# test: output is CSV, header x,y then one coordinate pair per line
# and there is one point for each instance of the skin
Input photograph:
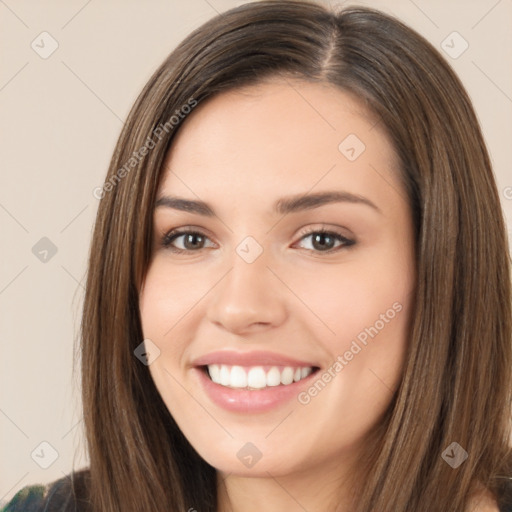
x,y
240,152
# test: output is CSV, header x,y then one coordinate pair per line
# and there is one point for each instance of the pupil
x,y
191,237
318,240
321,236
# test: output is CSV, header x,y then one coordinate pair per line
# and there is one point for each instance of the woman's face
x,y
303,333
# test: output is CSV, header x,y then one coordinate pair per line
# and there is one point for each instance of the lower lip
x,y
257,400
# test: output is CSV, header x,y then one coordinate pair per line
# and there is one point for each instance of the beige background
x,y
60,120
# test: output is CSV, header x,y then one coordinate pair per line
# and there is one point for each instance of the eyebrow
x,y
285,205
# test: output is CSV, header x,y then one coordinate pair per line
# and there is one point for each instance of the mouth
x,y
256,377
252,382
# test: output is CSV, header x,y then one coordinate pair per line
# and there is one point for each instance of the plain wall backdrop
x,y
69,73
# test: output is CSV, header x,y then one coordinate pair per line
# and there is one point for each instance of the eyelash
x,y
171,236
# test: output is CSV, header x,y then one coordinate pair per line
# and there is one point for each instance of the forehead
x,y
280,136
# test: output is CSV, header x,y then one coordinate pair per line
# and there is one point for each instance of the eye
x,y
192,240
323,240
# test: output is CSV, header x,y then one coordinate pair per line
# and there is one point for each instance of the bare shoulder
x,y
483,501
491,507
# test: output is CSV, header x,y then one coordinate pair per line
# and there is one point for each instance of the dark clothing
x,y
67,495
64,495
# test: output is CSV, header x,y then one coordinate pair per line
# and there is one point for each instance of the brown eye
x,y
191,241
324,241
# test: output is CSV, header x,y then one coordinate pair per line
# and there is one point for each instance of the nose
x,y
249,298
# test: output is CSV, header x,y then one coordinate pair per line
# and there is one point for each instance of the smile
x,y
252,381
256,377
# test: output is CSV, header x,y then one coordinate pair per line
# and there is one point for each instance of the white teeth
x,y
287,376
273,377
238,377
214,372
304,372
225,375
255,377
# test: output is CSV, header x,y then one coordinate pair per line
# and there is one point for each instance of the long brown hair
x,y
457,378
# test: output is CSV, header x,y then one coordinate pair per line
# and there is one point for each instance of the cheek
x,y
163,302
166,297
356,300
161,306
172,308
365,308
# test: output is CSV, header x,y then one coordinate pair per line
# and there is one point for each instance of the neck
x,y
319,488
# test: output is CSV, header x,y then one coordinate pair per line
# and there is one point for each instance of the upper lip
x,y
253,358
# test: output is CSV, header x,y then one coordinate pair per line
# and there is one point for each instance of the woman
x,y
299,283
